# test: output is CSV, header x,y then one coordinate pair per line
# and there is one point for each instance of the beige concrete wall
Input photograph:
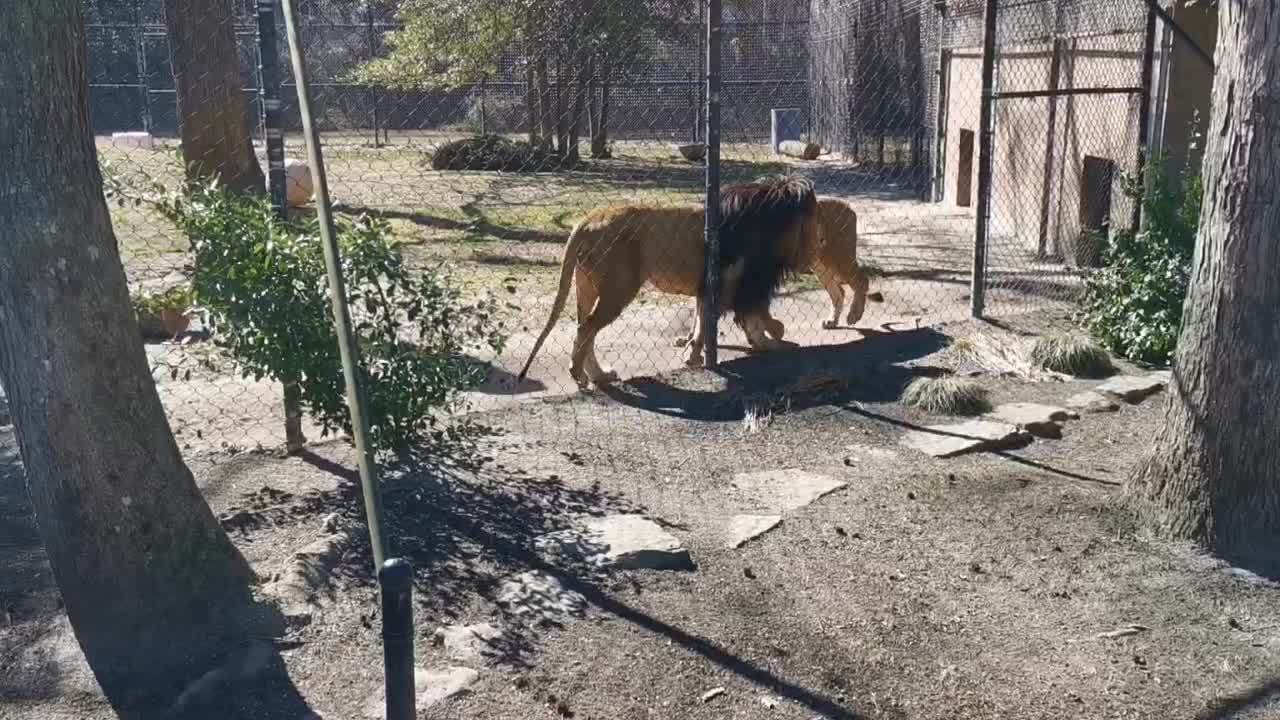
x,y
1190,87
1025,172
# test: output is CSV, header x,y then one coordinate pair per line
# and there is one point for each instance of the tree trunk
x,y
531,103
562,111
1214,473
151,583
213,115
600,133
546,109
579,103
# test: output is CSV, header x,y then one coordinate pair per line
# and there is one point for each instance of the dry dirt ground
x,y
974,587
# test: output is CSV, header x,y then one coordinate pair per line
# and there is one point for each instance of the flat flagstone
x,y
631,542
1090,401
470,643
784,490
1134,388
1037,419
945,441
744,528
540,596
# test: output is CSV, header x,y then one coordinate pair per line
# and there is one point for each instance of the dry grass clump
x,y
1071,354
947,395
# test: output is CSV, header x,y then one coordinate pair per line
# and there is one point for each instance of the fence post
x,y
985,144
372,38
396,580
1144,113
273,134
711,251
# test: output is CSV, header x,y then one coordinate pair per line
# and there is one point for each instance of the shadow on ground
x,y
863,370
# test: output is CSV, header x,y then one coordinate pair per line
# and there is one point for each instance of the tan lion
x,y
835,263
613,252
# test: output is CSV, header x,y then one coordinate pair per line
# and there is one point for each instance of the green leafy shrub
x,y
262,285
494,152
1133,305
1071,354
149,306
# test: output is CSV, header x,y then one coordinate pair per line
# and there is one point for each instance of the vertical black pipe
x,y
985,144
711,254
1144,113
396,580
1050,145
269,93
940,140
372,39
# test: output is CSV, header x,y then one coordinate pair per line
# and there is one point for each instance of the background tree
x,y
213,113
1214,472
150,581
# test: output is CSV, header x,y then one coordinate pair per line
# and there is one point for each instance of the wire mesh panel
x,y
485,132
1068,112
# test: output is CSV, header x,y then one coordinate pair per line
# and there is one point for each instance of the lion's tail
x,y
567,264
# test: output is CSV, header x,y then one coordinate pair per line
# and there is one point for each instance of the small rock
x,y
470,643
712,694
331,522
1122,632
1039,420
769,702
1092,402
540,595
743,528
784,490
944,441
1134,388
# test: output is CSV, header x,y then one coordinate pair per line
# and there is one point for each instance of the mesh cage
x,y
586,106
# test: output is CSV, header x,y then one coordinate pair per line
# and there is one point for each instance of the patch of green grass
x,y
1072,355
947,396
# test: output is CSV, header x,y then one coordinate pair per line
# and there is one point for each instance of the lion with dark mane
x,y
768,231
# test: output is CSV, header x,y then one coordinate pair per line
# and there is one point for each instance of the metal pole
x,y
144,75
711,253
338,295
985,144
373,89
277,182
1050,145
1206,58
396,580
1144,113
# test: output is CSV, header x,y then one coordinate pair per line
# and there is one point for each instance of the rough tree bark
x,y
213,114
151,583
1214,473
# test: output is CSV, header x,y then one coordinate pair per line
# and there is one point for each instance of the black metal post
x,y
985,144
372,39
711,254
269,94
1050,144
940,141
1144,113
396,580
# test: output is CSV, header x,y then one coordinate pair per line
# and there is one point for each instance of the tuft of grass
x,y
947,396
1072,355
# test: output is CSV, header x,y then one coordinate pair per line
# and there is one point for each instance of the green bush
x,y
1133,305
262,285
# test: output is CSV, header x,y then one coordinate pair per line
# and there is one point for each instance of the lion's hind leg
x,y
607,308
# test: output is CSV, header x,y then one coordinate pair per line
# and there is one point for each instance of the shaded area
x,y
1242,704
40,660
862,370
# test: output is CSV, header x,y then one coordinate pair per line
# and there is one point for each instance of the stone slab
x,y
1092,402
630,542
744,528
470,643
539,596
782,491
1037,419
430,686
1134,388
944,441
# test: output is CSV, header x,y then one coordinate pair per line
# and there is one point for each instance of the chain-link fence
x,y
590,105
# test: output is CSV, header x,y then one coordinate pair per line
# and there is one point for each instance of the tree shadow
x,y
1242,704
247,679
467,523
862,370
